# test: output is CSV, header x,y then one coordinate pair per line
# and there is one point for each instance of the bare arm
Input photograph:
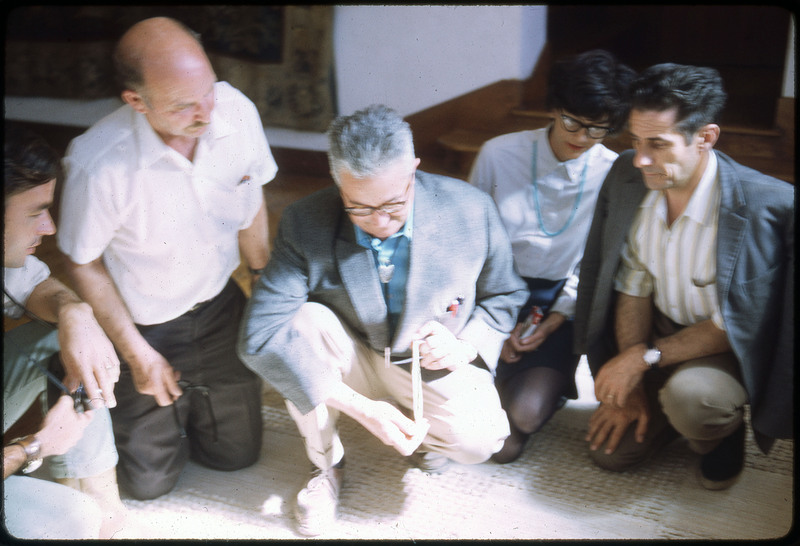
x,y
152,374
621,374
620,390
87,354
633,321
254,240
695,341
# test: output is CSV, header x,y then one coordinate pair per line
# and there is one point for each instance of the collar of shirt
x,y
397,253
698,208
368,241
700,204
547,162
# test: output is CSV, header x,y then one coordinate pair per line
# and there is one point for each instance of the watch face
x,y
31,466
652,356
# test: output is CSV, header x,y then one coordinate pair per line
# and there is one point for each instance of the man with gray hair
x,y
389,259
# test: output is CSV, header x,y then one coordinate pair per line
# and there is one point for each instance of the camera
x,y
81,399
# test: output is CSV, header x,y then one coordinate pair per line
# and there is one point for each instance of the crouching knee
x,y
616,461
146,486
474,442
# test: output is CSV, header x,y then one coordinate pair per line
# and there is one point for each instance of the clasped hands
x,y
514,346
440,349
620,391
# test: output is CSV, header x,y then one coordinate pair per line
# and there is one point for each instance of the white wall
x,y
414,57
407,57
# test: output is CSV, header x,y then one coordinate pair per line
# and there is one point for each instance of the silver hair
x,y
368,141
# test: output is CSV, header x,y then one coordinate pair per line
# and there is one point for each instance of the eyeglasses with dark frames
x,y
594,131
387,208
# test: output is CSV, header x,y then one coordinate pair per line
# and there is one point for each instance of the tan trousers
x,y
463,408
701,399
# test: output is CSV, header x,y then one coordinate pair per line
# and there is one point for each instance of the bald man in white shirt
x,y
163,200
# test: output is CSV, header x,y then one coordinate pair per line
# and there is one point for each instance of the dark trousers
x,y
217,421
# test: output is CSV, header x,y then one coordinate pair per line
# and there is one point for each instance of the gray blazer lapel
x,y
632,192
427,267
618,222
360,279
420,265
732,227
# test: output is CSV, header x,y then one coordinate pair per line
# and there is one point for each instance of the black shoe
x,y
512,447
721,467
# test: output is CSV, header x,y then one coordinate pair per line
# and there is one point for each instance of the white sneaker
x,y
317,504
430,462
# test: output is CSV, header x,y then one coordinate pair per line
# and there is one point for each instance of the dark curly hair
x,y
28,161
696,92
593,85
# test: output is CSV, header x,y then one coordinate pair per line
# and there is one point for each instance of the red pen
x,y
532,321
454,305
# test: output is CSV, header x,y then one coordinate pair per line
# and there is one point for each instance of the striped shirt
x,y
676,264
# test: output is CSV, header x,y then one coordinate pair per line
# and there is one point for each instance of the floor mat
x,y
552,491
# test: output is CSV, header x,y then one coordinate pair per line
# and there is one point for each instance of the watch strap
x,y
652,363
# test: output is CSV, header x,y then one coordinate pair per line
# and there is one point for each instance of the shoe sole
x,y
311,530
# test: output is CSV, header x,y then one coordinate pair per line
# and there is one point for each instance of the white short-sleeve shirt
x,y
676,264
166,227
20,282
504,169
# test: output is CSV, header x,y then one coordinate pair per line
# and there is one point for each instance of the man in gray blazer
x,y
685,301
361,270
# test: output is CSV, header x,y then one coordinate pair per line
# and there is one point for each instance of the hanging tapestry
x,y
279,56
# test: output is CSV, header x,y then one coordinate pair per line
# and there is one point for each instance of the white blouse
x,y
504,169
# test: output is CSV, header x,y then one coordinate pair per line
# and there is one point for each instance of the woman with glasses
x,y
545,183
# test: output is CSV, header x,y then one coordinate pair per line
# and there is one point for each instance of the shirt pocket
x,y
704,275
227,201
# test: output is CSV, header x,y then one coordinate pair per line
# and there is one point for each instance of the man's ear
x,y
708,136
135,100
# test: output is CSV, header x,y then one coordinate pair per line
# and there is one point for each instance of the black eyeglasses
x,y
594,131
388,208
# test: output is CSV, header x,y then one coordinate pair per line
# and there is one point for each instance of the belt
x,y
230,286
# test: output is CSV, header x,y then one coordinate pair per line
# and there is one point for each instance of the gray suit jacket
x,y
755,281
459,248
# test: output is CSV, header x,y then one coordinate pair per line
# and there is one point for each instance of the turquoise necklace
x,y
536,196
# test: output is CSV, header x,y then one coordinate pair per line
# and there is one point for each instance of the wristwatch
x,y
33,450
652,356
